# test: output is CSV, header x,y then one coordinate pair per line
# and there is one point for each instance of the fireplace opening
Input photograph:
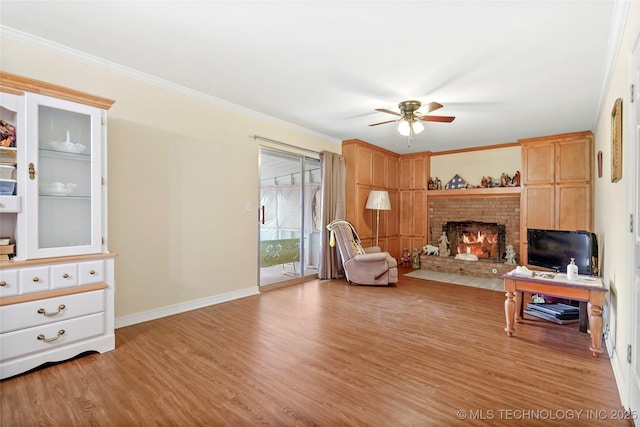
x,y
486,240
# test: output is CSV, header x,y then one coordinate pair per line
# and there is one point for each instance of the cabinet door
x,y
419,214
379,170
538,207
405,174
393,216
392,172
64,184
364,162
574,207
363,219
420,168
574,160
406,209
538,163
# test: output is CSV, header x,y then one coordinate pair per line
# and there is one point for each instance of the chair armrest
x,y
372,250
379,256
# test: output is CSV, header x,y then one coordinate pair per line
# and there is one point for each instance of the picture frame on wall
x,y
616,141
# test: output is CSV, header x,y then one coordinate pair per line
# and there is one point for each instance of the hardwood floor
x,y
325,354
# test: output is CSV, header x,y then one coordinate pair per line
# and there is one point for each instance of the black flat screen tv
x,y
553,249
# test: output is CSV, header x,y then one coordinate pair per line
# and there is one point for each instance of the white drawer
x,y
40,312
10,204
64,275
34,279
8,283
91,272
47,337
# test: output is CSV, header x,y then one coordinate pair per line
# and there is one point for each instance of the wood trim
x,y
50,294
480,148
555,138
370,146
73,258
476,192
15,84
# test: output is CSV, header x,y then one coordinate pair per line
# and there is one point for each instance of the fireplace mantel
x,y
476,192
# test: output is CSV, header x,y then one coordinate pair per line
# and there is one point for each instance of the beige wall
x,y
181,172
473,165
611,208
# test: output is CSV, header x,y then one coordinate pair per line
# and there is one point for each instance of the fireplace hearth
x,y
486,240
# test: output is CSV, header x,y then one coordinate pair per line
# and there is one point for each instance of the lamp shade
x,y
378,200
417,127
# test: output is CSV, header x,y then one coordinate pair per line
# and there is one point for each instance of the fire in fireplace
x,y
486,240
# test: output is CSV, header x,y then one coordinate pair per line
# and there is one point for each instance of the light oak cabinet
x,y
60,281
414,218
405,177
371,168
557,181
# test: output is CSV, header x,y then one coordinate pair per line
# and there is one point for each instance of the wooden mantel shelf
x,y
477,192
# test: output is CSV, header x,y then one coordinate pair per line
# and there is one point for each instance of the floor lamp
x,y
378,200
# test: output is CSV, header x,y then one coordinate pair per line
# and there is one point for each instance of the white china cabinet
x,y
57,288
63,202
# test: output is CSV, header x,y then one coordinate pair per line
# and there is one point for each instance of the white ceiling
x,y
506,69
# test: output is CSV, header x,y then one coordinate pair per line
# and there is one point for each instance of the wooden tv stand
x,y
586,288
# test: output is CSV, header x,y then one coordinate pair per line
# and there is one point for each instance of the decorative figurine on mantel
x,y
444,245
510,255
416,258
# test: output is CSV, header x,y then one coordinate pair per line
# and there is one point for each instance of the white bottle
x,y
572,270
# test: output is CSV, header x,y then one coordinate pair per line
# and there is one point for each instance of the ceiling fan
x,y
410,117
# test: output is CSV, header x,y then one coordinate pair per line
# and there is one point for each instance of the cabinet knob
x,y
51,313
36,279
32,171
65,276
3,283
92,272
41,337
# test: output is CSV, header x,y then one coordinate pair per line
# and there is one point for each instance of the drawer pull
x,y
92,272
43,338
65,276
53,313
3,283
36,279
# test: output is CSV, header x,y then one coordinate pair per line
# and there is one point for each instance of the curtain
x,y
333,199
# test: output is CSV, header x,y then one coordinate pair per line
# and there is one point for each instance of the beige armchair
x,y
363,266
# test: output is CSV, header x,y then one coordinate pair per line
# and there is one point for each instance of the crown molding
x,y
58,49
618,19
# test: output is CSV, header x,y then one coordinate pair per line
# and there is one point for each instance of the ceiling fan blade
x,y
443,119
382,123
432,106
384,110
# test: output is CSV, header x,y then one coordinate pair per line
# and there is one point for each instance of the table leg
x,y
509,312
595,325
519,296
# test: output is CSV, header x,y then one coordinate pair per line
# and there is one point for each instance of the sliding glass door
x,y
289,216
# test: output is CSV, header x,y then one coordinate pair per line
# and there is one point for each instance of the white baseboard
x,y
170,310
618,373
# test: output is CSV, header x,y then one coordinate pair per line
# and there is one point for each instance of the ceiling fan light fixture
x,y
404,128
417,127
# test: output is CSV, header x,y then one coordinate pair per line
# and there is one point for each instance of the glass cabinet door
x,y
64,182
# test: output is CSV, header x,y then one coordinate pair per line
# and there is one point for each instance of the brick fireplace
x,y
502,211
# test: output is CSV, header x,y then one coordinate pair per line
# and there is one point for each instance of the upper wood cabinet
x,y
557,182
414,172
